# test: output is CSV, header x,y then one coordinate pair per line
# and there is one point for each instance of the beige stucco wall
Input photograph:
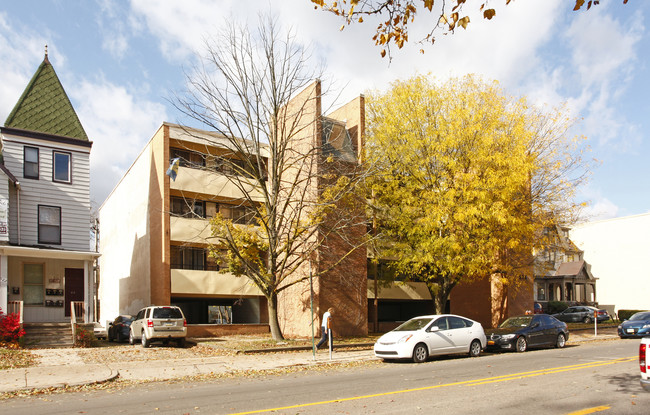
x,y
208,283
125,284
196,181
616,249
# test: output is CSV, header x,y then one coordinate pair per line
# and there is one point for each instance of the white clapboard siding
x,y
73,198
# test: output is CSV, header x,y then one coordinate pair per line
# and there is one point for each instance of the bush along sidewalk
x,y
84,338
11,334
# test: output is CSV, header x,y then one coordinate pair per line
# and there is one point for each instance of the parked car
x,y
521,332
582,313
159,323
424,336
644,364
636,326
99,331
118,329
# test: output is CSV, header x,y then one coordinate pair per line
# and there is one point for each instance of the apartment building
x,y
155,235
45,256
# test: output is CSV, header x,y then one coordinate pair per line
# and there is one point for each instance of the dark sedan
x,y
583,314
637,326
118,329
521,332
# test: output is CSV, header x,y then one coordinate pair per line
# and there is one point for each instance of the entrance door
x,y
74,287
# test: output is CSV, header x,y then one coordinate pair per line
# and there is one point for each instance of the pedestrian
x,y
326,326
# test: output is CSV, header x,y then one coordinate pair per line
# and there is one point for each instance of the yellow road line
x,y
590,410
501,378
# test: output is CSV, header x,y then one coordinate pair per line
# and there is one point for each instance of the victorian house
x,y
45,258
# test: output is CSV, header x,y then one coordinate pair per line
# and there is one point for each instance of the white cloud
x,y
21,51
119,122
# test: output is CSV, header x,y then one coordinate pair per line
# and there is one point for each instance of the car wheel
x,y
145,341
521,345
181,342
131,338
475,348
420,353
586,320
561,341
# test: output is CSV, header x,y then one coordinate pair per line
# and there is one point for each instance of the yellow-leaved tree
x,y
470,177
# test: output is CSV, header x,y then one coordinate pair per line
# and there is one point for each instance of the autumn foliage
x,y
10,331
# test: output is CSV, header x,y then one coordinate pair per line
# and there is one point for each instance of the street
x,y
595,377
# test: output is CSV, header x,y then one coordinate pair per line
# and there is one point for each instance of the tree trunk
x,y
272,302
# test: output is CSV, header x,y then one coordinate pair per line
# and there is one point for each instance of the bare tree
x,y
294,173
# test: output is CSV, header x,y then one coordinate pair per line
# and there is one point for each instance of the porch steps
x,y
48,335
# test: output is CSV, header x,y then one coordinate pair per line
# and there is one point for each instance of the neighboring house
x,y
45,257
155,237
561,273
616,248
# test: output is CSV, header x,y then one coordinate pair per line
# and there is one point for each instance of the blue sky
x,y
121,61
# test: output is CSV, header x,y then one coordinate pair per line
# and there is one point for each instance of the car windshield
x,y
640,316
413,324
522,321
167,312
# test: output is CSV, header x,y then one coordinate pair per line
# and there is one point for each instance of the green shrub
x,y
556,306
626,314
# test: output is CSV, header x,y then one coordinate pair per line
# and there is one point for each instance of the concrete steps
x,y
48,335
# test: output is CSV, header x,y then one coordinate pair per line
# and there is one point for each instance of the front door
x,y
74,287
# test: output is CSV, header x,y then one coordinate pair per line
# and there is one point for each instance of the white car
x,y
644,363
425,336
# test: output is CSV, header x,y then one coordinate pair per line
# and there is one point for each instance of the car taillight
x,y
642,357
149,323
184,323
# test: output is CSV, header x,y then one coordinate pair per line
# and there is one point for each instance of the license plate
x,y
167,324
630,330
491,342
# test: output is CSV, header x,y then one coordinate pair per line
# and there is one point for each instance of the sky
x,y
122,61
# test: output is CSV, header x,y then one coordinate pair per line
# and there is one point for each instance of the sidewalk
x,y
63,367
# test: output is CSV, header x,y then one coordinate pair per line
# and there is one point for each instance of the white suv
x,y
159,323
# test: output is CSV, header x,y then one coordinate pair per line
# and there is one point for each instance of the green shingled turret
x,y
45,107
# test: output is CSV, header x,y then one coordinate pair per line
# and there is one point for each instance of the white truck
x,y
644,363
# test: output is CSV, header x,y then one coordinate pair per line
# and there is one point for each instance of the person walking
x,y
326,326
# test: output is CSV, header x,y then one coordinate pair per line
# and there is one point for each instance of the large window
x,y
187,207
184,257
30,162
33,284
49,225
187,158
61,167
238,214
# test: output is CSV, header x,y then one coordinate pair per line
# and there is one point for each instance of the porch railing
x,y
16,307
77,310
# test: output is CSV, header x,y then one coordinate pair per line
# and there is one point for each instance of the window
x,y
187,207
33,284
30,163
183,257
49,225
242,215
61,167
187,158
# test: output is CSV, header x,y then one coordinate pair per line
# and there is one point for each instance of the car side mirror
x,y
434,329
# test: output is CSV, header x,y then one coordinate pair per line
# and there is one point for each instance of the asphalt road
x,y
596,377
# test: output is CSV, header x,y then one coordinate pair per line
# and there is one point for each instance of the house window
x,y
30,163
49,225
187,207
61,167
33,284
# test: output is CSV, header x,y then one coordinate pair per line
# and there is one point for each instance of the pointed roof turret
x,y
45,107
